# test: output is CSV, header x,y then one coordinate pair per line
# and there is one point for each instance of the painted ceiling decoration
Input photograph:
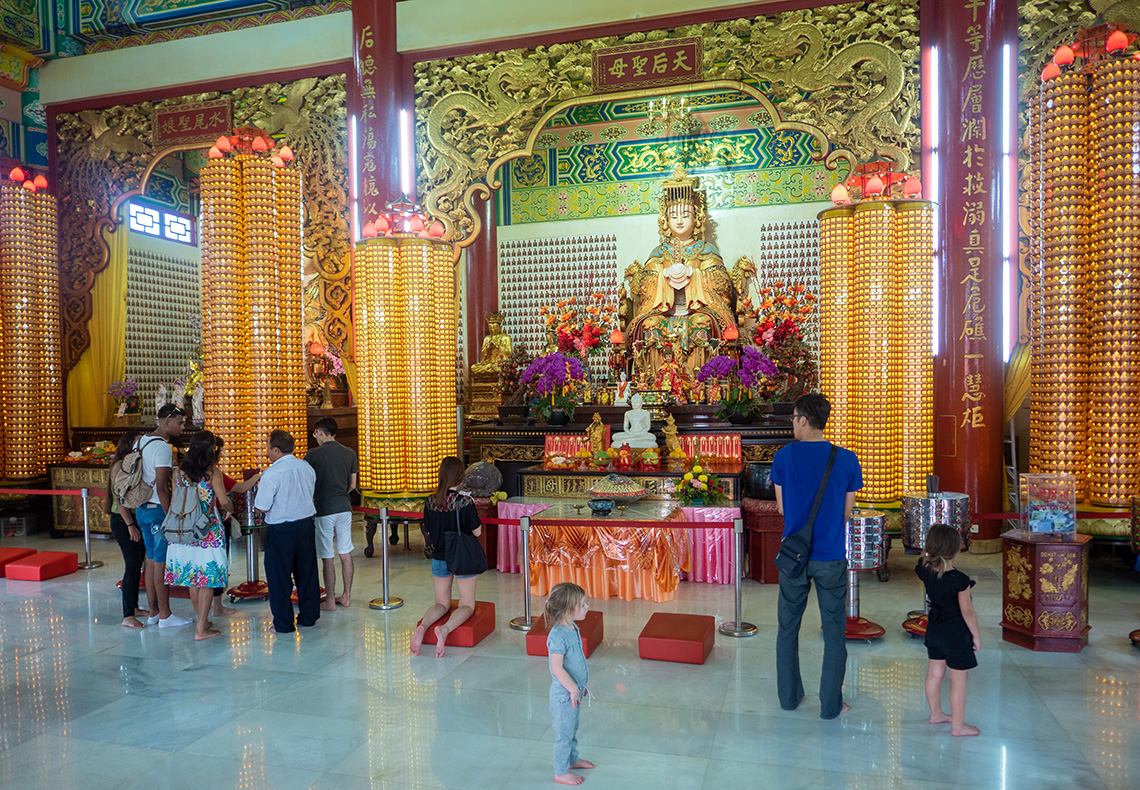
x,y
101,19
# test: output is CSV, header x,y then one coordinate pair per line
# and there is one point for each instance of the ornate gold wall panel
x,y
103,154
850,72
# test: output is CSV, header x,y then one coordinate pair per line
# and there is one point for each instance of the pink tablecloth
x,y
711,549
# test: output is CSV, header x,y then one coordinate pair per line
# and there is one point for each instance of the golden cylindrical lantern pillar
x,y
837,227
31,399
266,412
290,304
1059,367
1114,315
915,299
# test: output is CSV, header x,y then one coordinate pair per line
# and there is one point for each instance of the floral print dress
x,y
201,564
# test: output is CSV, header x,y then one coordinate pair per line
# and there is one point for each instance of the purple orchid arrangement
x,y
742,377
553,378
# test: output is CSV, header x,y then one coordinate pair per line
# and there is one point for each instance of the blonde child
x,y
952,631
566,604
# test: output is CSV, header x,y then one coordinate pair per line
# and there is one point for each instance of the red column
x,y
482,295
374,98
963,52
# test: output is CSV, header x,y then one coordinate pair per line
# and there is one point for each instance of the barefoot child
x,y
567,603
952,631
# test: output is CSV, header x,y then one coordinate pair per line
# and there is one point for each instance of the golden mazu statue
x,y
683,296
497,347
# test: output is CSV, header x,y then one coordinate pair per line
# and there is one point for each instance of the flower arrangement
x,y
700,487
553,379
745,379
125,393
579,332
780,317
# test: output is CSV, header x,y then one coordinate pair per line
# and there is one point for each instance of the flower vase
x,y
558,417
736,418
696,503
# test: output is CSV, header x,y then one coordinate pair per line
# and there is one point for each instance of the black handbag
x,y
462,550
795,548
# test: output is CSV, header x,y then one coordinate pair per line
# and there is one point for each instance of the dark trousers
x,y
291,558
831,592
134,553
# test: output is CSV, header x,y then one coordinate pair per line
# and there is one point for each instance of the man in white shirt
x,y
285,496
157,464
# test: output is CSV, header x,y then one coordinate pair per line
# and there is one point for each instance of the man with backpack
x,y
156,461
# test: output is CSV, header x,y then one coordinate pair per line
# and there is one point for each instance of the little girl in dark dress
x,y
952,631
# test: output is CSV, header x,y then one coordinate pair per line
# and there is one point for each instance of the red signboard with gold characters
x,y
192,123
648,64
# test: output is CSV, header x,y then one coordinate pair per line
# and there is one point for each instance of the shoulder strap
x,y
807,530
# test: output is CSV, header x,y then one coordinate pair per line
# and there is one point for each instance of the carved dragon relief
x,y
104,153
847,73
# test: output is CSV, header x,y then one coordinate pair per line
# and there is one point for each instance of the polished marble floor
x,y
88,704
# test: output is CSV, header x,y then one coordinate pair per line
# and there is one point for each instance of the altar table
x,y
617,562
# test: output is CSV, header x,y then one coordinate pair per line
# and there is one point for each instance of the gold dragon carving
x,y
103,154
850,71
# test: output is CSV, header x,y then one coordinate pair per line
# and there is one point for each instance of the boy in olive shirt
x,y
336,469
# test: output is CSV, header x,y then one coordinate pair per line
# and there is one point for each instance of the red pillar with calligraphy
x,y
963,54
375,93
482,276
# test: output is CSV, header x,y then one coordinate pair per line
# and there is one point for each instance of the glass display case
x,y
1049,504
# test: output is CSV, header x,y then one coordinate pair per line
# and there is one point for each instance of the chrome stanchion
x,y
253,587
738,627
524,623
88,564
386,603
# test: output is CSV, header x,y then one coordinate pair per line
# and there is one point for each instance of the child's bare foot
x,y
583,765
133,622
208,634
965,729
440,640
329,605
939,718
569,779
343,600
221,611
417,640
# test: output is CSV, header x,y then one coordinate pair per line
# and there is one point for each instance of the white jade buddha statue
x,y
636,425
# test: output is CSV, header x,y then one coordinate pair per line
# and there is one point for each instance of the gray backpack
x,y
185,522
130,490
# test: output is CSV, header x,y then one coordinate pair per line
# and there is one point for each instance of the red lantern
x,y
368,231
17,175
30,186
382,224
1116,41
874,186
912,187
40,182
259,144
287,153
730,333
437,230
215,153
416,223
840,195
616,337
1050,72
1063,56
223,144
277,161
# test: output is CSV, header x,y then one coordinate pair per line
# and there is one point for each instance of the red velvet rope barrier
x,y
54,492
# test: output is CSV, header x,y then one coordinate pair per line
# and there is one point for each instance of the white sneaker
x,y
174,621
152,620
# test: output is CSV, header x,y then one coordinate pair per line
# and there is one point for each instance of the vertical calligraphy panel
x,y
374,97
969,36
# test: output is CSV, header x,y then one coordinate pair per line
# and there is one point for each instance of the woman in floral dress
x,y
202,565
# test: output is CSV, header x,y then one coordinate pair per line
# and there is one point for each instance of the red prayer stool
x,y
685,638
471,631
590,626
11,555
44,565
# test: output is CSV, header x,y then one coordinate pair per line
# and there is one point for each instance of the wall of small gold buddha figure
x,y
850,70
103,153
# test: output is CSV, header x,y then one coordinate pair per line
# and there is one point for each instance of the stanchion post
x,y
88,563
524,623
852,594
738,627
386,603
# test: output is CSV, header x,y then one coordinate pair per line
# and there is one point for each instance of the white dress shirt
x,y
285,491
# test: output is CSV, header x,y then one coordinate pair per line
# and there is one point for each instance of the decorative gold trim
x,y
525,453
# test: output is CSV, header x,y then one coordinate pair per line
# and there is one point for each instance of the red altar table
x,y
1045,604
617,562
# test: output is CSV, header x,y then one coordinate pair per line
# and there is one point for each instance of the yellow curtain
x,y
105,360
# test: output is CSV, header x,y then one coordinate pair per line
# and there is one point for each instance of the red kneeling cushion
x,y
45,565
590,627
11,555
471,631
686,638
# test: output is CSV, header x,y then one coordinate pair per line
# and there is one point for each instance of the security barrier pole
x,y
88,563
524,623
386,603
738,627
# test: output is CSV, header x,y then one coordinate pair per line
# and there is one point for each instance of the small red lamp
x,y
1063,56
616,337
215,153
912,187
839,195
40,182
259,144
1116,41
437,230
223,144
368,231
730,333
18,175
874,186
286,153
1050,72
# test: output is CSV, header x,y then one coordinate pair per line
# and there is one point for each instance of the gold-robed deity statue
x,y
497,347
683,296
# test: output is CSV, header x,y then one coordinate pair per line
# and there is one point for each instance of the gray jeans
x,y
831,592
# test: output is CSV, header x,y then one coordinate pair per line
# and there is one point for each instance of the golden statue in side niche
x,y
683,295
497,346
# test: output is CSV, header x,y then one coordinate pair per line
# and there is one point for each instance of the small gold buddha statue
x,y
497,347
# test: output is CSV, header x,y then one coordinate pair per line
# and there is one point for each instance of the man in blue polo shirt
x,y
797,471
